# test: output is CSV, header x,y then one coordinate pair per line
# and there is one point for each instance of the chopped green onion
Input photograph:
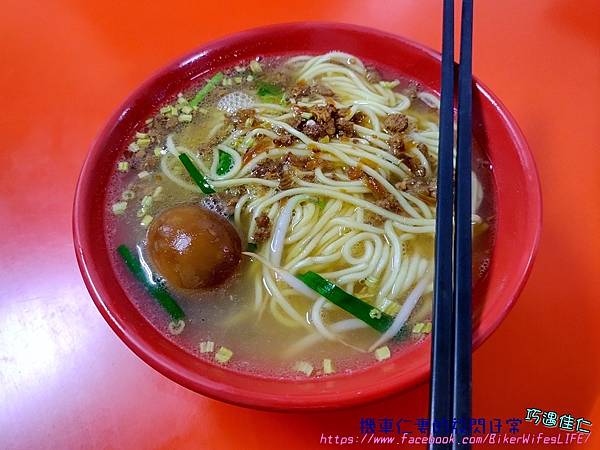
x,y
185,118
418,327
422,327
176,326
119,208
123,166
320,202
270,92
249,78
128,194
268,89
147,201
355,306
186,109
202,182
223,355
208,87
207,347
328,366
255,66
133,147
225,163
146,220
389,84
157,151
382,353
375,314
304,367
157,291
143,143
248,142
165,110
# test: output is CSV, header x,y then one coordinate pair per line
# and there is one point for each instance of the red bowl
x,y
517,203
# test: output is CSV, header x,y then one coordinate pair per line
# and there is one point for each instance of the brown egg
x,y
193,247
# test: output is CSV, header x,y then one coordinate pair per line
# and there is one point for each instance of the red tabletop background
x,y
66,381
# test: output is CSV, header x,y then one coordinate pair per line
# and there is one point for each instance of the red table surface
x,y
66,381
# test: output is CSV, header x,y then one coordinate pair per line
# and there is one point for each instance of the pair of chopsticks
x,y
450,401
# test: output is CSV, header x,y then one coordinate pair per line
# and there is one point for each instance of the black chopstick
x,y
441,350
450,399
462,246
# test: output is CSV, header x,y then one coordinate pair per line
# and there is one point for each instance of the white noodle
x,y
329,221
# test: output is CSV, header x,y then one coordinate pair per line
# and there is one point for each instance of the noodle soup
x,y
280,216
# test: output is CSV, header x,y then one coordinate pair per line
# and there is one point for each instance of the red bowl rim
x,y
250,398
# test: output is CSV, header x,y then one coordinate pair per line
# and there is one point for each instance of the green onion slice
x,y
361,310
200,180
157,291
225,163
208,87
270,92
320,202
